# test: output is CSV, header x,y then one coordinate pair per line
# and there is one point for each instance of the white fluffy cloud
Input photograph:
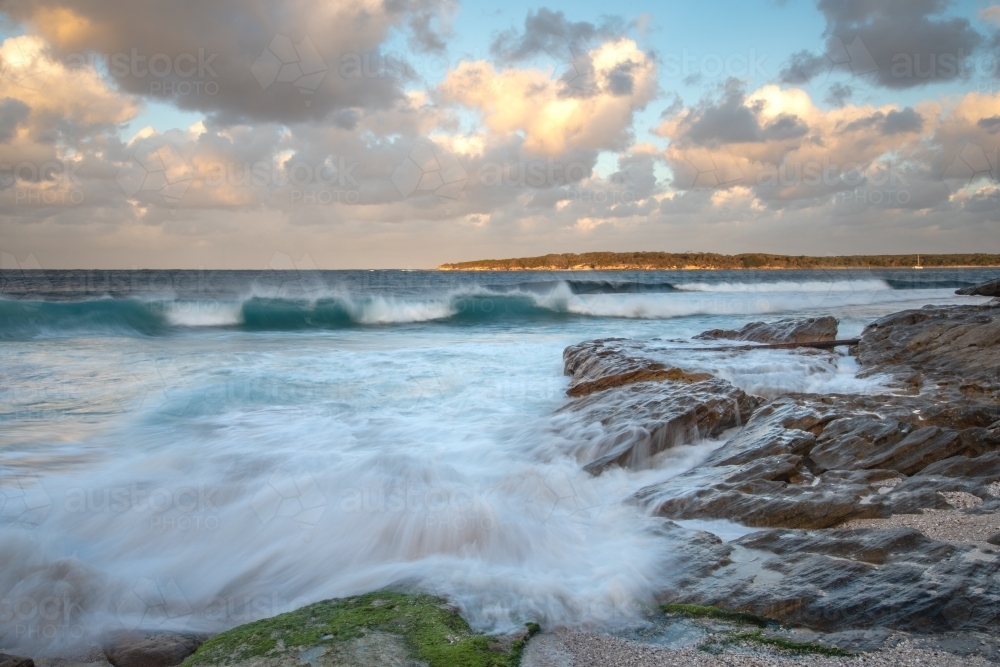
x,y
592,112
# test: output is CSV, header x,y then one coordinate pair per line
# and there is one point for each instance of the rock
x,y
405,630
991,288
632,405
604,364
159,650
633,423
953,351
994,539
7,660
813,329
808,462
805,461
845,579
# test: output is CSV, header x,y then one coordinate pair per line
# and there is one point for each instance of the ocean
x,y
193,450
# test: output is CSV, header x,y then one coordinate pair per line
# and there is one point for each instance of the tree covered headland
x,y
610,261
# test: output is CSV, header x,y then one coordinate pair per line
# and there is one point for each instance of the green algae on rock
x,y
380,629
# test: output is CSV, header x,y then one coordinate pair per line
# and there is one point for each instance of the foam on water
x,y
246,455
824,286
203,313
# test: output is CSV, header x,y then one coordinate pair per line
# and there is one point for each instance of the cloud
x,y
802,67
838,94
732,120
61,98
790,154
550,32
903,121
893,43
990,14
199,58
12,113
551,116
298,146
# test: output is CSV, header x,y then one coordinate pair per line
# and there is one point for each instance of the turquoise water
x,y
193,450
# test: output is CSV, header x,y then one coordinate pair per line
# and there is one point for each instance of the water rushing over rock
x,y
804,461
813,329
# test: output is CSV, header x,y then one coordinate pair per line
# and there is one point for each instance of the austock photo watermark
x,y
283,61
184,508
47,183
331,181
299,499
177,75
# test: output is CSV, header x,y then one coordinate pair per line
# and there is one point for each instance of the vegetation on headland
x,y
377,626
659,261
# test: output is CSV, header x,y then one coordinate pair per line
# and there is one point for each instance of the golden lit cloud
x,y
554,115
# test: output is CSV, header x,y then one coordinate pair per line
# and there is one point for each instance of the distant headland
x,y
658,261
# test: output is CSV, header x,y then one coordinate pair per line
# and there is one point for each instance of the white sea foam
x,y
825,286
383,310
201,481
203,313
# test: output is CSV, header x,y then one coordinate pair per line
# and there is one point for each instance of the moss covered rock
x,y
384,629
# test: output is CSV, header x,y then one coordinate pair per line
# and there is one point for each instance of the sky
x,y
251,134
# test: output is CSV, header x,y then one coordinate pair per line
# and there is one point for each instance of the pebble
x,y
582,649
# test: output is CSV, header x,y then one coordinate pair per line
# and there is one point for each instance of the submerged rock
x,y
159,650
382,629
636,422
813,329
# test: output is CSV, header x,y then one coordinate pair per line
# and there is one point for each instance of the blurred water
x,y
194,450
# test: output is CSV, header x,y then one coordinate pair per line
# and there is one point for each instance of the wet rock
x,y
159,650
953,352
7,660
813,329
806,461
838,580
613,362
991,288
633,423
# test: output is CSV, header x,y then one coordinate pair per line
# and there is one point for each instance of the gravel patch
x,y
944,525
961,500
597,650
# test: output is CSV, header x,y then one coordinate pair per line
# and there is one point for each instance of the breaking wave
x,y
523,302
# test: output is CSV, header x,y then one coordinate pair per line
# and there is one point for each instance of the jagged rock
x,y
604,364
159,650
637,421
845,579
991,288
954,351
813,329
7,660
805,461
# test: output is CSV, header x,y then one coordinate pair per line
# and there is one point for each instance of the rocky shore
x,y
881,513
877,518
